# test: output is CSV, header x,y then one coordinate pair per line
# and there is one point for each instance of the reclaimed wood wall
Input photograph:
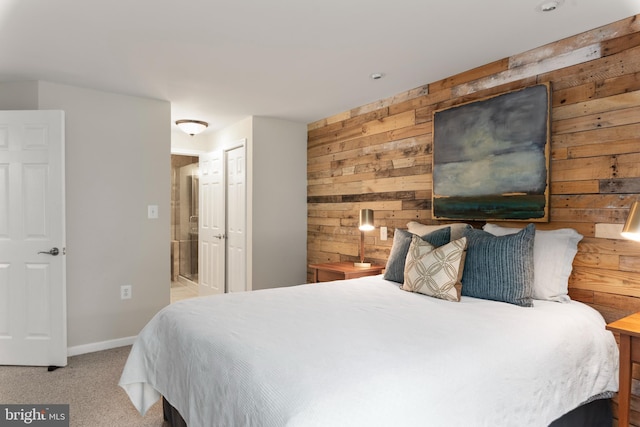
x,y
378,156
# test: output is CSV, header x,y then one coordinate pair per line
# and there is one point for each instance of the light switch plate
x,y
125,292
609,231
383,233
152,211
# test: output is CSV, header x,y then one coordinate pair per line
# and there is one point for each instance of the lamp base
x,y
362,264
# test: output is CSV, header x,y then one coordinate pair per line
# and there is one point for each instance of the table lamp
x,y
631,229
366,224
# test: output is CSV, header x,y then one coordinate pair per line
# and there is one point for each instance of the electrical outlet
x,y
125,292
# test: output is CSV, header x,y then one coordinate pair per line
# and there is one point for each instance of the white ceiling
x,y
301,60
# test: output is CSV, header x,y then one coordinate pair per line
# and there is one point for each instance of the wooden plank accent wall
x,y
378,156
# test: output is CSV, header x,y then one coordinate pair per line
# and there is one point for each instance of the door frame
x,y
236,143
182,152
242,143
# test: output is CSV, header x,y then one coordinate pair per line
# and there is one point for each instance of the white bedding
x,y
365,353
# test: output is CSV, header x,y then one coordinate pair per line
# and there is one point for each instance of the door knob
x,y
220,236
52,251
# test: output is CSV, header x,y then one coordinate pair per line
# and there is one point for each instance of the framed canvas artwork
x,y
491,158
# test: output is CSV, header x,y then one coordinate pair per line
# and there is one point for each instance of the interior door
x,y
211,230
236,219
33,323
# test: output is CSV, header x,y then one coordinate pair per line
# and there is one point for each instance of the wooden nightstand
x,y
629,330
342,270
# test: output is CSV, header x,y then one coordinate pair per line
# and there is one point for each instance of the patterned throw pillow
x,y
500,268
553,253
394,270
435,271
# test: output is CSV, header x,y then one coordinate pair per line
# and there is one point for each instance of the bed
x,y
368,352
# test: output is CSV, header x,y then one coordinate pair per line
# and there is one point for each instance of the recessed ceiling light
x,y
376,76
549,6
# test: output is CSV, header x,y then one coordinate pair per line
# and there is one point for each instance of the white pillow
x,y
457,229
553,253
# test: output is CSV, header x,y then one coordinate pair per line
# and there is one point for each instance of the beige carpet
x,y
89,384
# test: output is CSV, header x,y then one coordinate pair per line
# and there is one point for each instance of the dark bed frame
x,y
593,414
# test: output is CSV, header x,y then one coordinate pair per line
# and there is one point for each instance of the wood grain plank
x,y
609,246
432,98
597,106
630,263
471,75
606,281
597,136
601,167
606,67
578,56
603,35
624,83
604,261
573,95
589,186
594,150
598,121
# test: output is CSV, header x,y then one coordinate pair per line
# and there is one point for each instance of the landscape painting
x,y
491,158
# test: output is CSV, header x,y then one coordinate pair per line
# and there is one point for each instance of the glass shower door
x,y
188,228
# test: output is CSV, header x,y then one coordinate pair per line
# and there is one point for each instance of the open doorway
x,y
184,226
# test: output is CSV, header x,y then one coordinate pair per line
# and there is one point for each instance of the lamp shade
x,y
366,220
192,127
631,229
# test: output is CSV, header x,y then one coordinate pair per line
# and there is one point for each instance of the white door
x,y
33,315
236,219
211,230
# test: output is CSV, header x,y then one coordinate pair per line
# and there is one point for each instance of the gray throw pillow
x,y
401,242
500,268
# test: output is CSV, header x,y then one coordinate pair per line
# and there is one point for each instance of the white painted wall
x,y
117,163
280,203
19,95
276,198
181,143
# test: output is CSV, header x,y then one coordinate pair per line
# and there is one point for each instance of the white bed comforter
x,y
364,353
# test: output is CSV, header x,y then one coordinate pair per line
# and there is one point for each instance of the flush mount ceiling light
x,y
192,127
549,6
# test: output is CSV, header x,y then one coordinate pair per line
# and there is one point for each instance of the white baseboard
x,y
99,346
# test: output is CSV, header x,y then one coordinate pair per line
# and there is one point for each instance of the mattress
x,y
364,352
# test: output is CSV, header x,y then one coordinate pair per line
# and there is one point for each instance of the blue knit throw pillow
x,y
500,268
401,241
